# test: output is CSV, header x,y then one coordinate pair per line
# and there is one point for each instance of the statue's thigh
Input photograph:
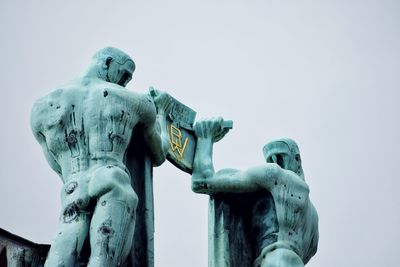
x,y
74,198
68,241
112,228
113,221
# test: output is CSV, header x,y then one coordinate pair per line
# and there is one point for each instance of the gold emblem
x,y
175,140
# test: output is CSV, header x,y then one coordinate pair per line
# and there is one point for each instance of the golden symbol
x,y
175,140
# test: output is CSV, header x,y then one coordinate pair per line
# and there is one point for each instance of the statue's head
x,y
285,153
112,65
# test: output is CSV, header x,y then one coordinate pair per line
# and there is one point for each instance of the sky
x,y
325,73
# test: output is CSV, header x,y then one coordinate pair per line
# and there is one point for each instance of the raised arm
x,y
37,129
153,135
313,216
204,178
207,132
153,122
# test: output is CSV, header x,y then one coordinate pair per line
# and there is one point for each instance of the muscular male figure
x,y
288,237
84,129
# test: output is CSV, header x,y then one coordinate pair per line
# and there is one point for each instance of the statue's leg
x,y
113,222
69,239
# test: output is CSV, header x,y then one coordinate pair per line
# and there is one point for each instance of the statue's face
x,y
285,154
120,73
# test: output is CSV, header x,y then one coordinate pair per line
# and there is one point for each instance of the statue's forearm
x,y
232,181
157,139
163,134
154,143
203,167
223,184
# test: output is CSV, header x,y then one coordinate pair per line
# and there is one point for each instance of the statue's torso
x,y
89,123
264,224
292,206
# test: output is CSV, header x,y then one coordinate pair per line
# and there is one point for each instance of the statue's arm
x,y
235,181
206,180
203,167
314,233
37,130
49,156
207,132
155,138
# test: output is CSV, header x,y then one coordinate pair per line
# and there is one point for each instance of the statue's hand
x,y
162,101
211,129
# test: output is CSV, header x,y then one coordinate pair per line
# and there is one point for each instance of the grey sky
x,y
325,73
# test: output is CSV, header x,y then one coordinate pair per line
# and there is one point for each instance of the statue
x,y
281,224
87,129
103,141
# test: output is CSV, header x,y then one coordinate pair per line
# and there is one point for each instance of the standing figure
x,y
85,128
284,223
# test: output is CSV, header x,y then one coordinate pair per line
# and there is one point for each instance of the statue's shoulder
x,y
114,91
52,103
129,94
144,100
43,107
296,183
47,102
267,170
74,87
54,94
141,102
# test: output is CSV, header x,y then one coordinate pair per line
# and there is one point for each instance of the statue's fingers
x,y
168,105
153,92
223,131
198,128
218,137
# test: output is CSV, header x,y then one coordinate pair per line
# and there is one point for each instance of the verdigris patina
x,y
261,216
91,130
103,141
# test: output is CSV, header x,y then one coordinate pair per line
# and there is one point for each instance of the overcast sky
x,y
325,73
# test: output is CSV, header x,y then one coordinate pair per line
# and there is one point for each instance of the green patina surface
x,y
103,140
91,131
261,216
